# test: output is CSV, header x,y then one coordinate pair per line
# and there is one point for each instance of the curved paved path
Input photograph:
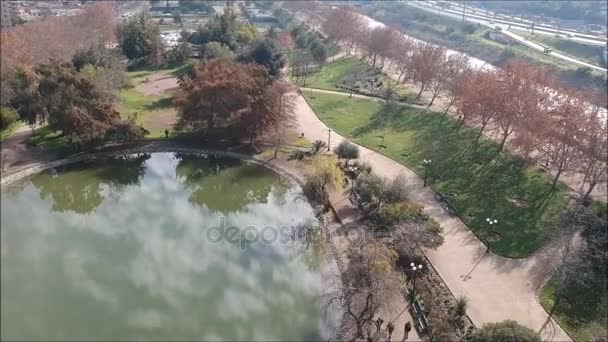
x,y
498,288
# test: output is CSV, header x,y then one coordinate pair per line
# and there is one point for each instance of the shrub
x,y
347,150
368,191
296,155
317,146
363,168
461,306
504,331
8,116
322,175
396,190
469,28
398,212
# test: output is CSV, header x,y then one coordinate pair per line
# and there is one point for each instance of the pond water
x,y
160,246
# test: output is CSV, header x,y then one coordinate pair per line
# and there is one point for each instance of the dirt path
x,y
498,288
15,153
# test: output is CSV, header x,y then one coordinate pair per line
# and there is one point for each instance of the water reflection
x,y
139,265
80,187
226,185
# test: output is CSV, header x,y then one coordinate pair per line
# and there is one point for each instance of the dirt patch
x,y
156,84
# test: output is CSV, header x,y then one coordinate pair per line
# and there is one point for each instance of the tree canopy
x,y
505,331
137,36
267,53
70,101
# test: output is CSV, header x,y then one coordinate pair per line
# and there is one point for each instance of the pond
x,y
161,246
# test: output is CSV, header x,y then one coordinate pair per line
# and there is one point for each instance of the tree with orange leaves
x,y
217,93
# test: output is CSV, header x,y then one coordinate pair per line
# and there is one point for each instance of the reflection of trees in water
x,y
78,187
314,249
124,170
225,184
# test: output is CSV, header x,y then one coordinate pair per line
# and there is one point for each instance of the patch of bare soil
x,y
156,84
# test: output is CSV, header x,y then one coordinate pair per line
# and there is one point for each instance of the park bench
x,y
419,317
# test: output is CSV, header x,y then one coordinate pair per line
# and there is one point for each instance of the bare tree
x,y
559,149
368,283
424,64
447,69
593,147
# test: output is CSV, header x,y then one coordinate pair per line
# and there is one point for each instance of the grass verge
x,y
478,182
580,317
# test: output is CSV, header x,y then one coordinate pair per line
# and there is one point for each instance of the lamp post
x,y
328,139
426,163
414,268
492,222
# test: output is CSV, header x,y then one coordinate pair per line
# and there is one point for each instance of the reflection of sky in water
x,y
139,264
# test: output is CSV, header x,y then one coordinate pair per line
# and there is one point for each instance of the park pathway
x,y
16,153
498,288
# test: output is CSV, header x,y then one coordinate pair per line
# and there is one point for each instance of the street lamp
x,y
328,138
426,163
414,268
492,235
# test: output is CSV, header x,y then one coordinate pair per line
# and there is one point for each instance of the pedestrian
x,y
166,133
406,330
379,323
390,328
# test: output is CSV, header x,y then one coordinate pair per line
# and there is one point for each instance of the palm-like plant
x,y
461,306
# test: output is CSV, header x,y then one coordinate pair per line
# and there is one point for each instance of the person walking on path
x,y
406,330
390,328
379,323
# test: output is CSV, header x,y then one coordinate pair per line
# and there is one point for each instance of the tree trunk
x,y
419,93
433,99
448,107
276,148
483,126
588,193
556,178
503,141
400,75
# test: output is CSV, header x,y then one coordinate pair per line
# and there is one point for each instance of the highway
x,y
505,29
487,16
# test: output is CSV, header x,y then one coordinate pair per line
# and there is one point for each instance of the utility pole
x,y
464,7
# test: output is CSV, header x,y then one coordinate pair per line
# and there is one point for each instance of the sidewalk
x,y
498,288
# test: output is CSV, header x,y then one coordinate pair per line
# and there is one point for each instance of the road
x,y
505,29
501,19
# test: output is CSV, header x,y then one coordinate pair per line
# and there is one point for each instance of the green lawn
x,y
153,113
335,71
477,184
50,140
580,317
